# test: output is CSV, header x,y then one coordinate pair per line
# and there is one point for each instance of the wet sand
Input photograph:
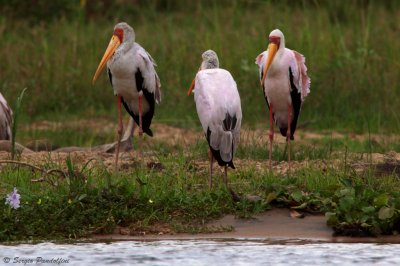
x,y
273,225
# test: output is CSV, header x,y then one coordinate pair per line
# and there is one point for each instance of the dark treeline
x,y
42,11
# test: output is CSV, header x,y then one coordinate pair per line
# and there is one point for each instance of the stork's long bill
x,y
192,84
272,49
191,87
112,46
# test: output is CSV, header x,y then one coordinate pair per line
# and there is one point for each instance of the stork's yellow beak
x,y
112,46
192,84
191,87
272,49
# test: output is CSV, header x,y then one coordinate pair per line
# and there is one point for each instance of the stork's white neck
x,y
282,44
122,50
208,65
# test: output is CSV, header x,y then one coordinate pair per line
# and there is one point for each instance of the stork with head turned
x,y
5,119
219,110
285,84
132,75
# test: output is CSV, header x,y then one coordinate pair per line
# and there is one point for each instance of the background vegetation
x,y
52,48
351,47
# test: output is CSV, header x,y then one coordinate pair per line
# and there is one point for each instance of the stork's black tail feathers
x,y
146,118
284,132
229,124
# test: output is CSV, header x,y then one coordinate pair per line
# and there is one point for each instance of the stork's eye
x,y
119,33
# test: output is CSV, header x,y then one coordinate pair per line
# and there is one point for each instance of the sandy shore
x,y
273,225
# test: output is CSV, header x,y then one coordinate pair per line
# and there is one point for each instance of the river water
x,y
201,252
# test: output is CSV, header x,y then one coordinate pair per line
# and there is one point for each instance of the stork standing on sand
x,y
5,119
220,113
285,84
132,74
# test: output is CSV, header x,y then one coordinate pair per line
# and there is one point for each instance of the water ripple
x,y
202,252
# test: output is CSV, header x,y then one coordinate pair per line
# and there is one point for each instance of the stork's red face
x,y
119,33
116,40
274,43
275,39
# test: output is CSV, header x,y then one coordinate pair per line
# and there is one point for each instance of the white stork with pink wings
x,y
285,84
219,110
5,119
132,74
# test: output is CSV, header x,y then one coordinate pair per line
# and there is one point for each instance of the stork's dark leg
x,y
140,122
119,131
289,131
211,157
271,135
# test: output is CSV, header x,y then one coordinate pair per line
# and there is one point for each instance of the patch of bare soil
x,y
176,136
181,136
259,137
97,125
102,155
139,230
57,160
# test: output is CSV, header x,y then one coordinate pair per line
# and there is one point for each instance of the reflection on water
x,y
200,252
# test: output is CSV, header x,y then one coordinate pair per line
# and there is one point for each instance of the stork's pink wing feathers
x,y
259,58
302,80
296,61
260,61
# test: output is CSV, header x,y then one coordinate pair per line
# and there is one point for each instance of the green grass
x,y
351,50
90,199
352,57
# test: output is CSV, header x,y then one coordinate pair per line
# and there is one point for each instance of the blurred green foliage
x,y
47,11
351,48
36,11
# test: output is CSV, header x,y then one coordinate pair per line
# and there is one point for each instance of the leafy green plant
x,y
361,211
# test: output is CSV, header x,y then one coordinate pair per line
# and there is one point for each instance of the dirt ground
x,y
385,163
276,224
175,135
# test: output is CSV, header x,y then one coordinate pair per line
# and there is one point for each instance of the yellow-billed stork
x,y
219,110
132,74
5,119
285,83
